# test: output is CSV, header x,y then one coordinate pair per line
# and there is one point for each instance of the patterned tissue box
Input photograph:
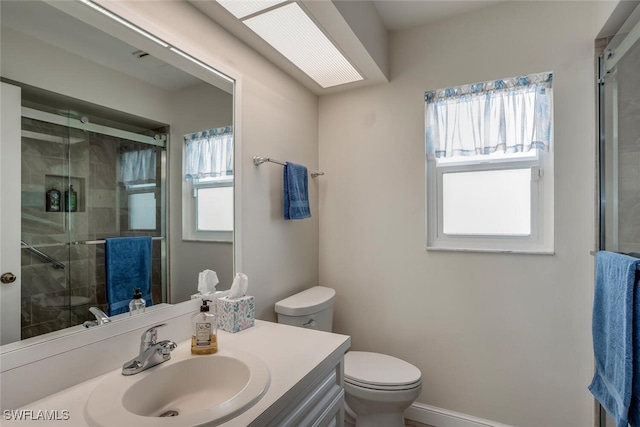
x,y
237,314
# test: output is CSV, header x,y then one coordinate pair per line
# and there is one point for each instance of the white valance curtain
x,y
209,153
509,116
138,167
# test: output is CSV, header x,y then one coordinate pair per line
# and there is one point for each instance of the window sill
x,y
496,251
207,240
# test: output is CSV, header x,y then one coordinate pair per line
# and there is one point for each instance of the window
x,y
208,200
139,176
142,206
214,204
489,161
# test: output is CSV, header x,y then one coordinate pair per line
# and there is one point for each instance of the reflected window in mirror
x,y
142,200
138,175
209,174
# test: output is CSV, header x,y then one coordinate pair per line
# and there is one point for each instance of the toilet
x,y
378,387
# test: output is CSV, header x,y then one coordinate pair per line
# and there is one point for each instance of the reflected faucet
x,y
101,318
151,354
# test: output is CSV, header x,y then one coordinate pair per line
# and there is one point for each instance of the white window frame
x,y
134,189
540,241
190,211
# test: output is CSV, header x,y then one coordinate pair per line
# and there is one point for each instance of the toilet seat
x,y
378,387
380,372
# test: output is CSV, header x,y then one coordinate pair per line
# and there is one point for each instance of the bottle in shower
x,y
71,200
52,203
137,303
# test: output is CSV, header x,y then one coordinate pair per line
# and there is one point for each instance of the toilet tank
x,y
311,309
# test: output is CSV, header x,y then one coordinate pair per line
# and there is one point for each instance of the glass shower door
x,y
84,182
620,145
45,227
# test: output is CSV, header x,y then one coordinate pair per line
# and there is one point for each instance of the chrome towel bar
x,y
257,160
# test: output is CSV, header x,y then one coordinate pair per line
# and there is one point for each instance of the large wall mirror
x,y
105,120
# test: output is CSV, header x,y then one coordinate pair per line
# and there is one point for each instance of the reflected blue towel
x,y
616,383
128,266
295,192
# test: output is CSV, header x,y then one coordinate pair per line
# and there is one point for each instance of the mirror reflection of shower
x,y
85,178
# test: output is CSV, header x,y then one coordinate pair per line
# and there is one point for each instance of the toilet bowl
x,y
378,387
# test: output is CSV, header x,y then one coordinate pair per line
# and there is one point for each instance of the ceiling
x,y
403,14
37,20
349,23
43,22
359,28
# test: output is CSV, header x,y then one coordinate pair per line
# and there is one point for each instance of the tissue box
x,y
236,314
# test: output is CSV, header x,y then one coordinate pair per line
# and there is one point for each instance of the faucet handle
x,y
166,347
149,337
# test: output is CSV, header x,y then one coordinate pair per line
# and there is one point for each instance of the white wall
x,y
496,336
278,118
502,337
197,108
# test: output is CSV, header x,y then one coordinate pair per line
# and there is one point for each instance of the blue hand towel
x,y
128,266
615,341
295,192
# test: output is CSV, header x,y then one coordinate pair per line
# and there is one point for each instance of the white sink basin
x,y
194,391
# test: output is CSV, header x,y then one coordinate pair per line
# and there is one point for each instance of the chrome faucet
x,y
151,354
101,318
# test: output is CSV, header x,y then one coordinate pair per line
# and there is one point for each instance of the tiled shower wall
x,y
55,298
629,151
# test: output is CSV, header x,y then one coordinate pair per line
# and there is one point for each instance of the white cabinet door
x,y
10,179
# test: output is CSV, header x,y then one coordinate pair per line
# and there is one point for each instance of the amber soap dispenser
x,y
204,338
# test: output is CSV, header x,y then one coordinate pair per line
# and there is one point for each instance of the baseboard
x,y
439,417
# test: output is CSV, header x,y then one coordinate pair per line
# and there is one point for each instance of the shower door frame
x,y
10,293
623,41
608,145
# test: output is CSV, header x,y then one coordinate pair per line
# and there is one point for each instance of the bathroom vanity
x,y
305,380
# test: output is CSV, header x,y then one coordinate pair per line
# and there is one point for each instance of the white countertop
x,y
291,353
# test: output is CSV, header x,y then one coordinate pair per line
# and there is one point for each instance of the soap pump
x,y
137,304
204,331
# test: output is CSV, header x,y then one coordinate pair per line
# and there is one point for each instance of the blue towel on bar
x,y
295,192
128,266
616,345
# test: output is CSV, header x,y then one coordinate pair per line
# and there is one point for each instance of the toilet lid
x,y
375,369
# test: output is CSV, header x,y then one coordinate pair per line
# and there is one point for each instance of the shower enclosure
x,y
619,148
116,172
620,142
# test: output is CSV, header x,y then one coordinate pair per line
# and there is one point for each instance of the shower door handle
x,y
8,278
